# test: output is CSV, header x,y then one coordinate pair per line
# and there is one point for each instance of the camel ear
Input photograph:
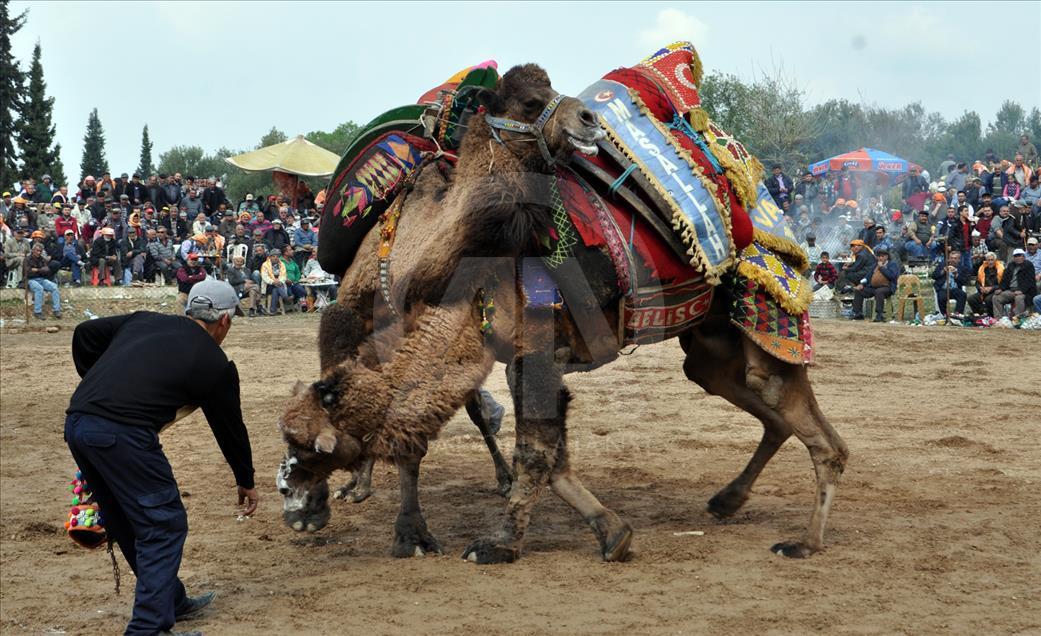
x,y
298,388
326,441
490,100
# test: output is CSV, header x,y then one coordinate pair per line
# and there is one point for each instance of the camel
x,y
461,237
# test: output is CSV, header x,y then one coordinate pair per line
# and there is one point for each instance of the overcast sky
x,y
221,74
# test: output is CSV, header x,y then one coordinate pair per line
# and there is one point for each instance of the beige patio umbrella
x,y
294,156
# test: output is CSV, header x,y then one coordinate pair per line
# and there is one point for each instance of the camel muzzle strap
x,y
533,129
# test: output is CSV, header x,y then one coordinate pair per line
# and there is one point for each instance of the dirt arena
x,y
934,529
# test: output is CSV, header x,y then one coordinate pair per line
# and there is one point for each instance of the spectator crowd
x,y
974,229
166,230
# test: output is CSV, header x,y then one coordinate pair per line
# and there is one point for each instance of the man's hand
x,y
859,288
249,497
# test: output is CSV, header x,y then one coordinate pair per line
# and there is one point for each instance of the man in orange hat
x,y
857,270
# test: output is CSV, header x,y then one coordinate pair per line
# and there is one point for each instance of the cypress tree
x,y
144,164
35,128
11,80
58,177
93,161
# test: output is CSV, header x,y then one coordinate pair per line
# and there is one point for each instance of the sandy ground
x,y
934,529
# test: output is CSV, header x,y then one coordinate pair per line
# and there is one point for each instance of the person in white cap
x,y
113,435
1018,285
1034,256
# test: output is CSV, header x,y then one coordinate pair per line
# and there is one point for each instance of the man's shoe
x,y
57,315
856,317
38,316
878,319
193,605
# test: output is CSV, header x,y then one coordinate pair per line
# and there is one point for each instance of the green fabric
x,y
292,270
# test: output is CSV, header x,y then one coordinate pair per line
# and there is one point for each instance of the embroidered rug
x,y
786,336
774,274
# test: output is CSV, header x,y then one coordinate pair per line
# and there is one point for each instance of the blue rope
x,y
621,179
680,124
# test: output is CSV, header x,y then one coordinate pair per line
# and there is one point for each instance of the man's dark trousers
x,y
878,293
141,507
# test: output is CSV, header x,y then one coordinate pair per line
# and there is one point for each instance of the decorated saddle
x,y
675,201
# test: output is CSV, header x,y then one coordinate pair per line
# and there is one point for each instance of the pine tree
x,y
35,129
58,177
11,81
144,165
93,161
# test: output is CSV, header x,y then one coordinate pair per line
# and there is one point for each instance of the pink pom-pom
x,y
77,490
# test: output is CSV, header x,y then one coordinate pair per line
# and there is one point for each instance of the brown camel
x,y
463,236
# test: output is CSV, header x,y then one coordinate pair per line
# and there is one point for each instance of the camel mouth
x,y
584,146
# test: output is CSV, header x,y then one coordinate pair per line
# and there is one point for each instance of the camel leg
x,y
780,395
716,363
503,474
359,488
540,406
411,537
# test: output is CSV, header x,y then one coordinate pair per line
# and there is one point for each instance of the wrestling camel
x,y
465,236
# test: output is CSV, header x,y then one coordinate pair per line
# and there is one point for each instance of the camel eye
x,y
532,104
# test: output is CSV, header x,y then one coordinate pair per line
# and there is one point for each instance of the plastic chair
x,y
908,288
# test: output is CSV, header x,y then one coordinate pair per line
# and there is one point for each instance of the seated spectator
x,y
73,256
1018,286
273,276
16,249
255,261
313,275
1004,235
978,250
920,237
825,273
305,241
41,280
227,224
104,257
813,251
881,284
949,277
248,205
988,279
276,238
200,223
293,276
858,270
163,254
238,277
259,223
66,222
134,252
188,275
1034,255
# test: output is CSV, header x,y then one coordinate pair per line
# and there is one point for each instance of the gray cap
x,y
213,294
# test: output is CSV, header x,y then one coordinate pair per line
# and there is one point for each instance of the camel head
x,y
525,109
315,448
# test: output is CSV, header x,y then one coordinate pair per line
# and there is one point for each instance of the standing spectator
x,y
1027,150
104,256
1018,285
845,186
162,252
949,277
915,189
276,239
958,178
807,187
106,186
171,192
40,279
121,186
187,275
154,191
136,190
825,273
1019,172
988,281
271,206
305,241
16,249
881,283
212,197
779,185
61,196
946,166
273,275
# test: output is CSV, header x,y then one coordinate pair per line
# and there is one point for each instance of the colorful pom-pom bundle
x,y
85,525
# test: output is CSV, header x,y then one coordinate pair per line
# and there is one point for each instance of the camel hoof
x,y
614,536
412,539
792,550
725,504
353,493
488,551
505,485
